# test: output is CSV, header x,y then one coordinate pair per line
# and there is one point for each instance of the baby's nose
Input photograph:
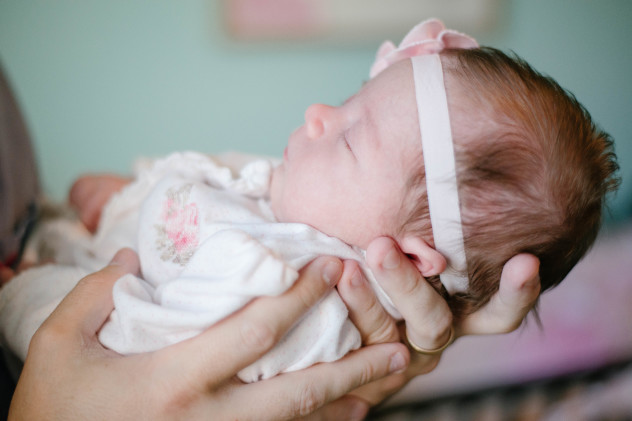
x,y
317,120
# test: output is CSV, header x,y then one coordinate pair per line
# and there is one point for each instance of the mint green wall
x,y
102,82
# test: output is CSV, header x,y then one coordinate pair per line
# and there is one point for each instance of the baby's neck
x,y
273,193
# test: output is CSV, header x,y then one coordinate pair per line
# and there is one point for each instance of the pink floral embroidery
x,y
178,233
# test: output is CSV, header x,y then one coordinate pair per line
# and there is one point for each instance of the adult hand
x,y
69,375
428,318
89,193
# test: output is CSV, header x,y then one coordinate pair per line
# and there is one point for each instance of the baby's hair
x,y
533,171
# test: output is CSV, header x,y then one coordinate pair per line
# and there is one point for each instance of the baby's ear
x,y
428,260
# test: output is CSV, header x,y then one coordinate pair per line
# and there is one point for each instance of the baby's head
x,y
531,168
532,171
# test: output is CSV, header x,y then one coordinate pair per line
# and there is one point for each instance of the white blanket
x,y
208,244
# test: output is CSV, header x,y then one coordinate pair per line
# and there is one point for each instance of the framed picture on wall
x,y
350,21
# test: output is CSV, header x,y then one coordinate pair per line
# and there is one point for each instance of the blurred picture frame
x,y
350,21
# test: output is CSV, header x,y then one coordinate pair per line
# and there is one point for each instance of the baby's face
x,y
345,170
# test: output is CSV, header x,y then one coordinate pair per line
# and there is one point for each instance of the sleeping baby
x,y
465,156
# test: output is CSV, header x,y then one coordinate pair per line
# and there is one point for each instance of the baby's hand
x,y
90,193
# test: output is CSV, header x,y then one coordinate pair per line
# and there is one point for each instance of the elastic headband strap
x,y
438,150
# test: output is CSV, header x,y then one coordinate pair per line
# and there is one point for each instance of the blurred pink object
x,y
428,37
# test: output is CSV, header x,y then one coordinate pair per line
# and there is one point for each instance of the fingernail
x,y
397,363
391,260
357,280
332,272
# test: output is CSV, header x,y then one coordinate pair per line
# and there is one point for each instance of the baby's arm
x,y
90,193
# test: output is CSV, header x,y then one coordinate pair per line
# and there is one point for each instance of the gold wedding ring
x,y
435,351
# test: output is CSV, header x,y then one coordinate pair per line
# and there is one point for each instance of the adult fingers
x,y
237,341
347,408
88,305
365,311
379,390
427,315
518,292
302,392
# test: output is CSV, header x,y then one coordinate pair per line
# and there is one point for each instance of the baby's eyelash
x,y
347,145
343,138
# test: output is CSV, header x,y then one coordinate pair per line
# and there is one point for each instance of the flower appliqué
x,y
177,234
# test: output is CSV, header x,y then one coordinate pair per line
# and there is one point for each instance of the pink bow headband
x,y
428,37
422,45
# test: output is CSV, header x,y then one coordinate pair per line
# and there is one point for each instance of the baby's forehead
x,y
391,89
392,93
390,97
398,75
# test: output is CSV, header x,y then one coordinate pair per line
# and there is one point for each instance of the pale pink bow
x,y
428,37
